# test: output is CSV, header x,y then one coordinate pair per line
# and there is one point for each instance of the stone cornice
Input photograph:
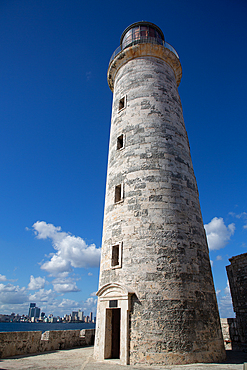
x,y
141,50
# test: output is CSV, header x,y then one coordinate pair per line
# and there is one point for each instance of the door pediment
x,y
114,291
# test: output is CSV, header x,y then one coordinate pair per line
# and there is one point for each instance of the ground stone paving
x,y
82,359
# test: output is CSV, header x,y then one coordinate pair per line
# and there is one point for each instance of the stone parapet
x,y
28,342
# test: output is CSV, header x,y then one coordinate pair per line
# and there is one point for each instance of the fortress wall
x,y
231,329
28,342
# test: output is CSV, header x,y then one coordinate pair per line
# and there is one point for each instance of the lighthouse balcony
x,y
144,40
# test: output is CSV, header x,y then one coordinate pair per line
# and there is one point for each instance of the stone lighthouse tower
x,y
156,298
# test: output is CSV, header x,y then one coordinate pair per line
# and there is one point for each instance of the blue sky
x,y
55,108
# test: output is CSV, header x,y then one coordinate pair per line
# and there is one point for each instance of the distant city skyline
x,y
35,315
55,120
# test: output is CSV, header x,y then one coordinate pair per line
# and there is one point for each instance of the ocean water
x,y
28,326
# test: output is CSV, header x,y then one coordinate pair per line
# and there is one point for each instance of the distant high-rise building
x,y
37,312
42,315
74,315
91,317
66,317
80,315
33,310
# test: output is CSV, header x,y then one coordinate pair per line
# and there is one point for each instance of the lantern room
x,y
142,32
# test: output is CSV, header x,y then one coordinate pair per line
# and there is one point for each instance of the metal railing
x,y
146,40
171,48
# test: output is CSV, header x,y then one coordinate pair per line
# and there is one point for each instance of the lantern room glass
x,y
142,34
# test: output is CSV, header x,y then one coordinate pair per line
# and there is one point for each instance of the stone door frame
x,y
121,294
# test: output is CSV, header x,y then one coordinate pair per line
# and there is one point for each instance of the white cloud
x,y
11,294
93,294
212,263
218,234
90,274
71,251
17,308
239,215
36,283
242,216
3,278
90,305
43,296
57,265
46,301
62,275
218,258
227,288
225,303
15,299
65,285
69,305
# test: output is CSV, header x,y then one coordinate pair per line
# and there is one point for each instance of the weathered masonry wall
x,y
231,334
27,342
237,272
154,263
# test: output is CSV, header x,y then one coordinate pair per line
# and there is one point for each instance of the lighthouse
x,y
156,297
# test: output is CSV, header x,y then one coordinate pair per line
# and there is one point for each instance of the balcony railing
x,y
149,40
